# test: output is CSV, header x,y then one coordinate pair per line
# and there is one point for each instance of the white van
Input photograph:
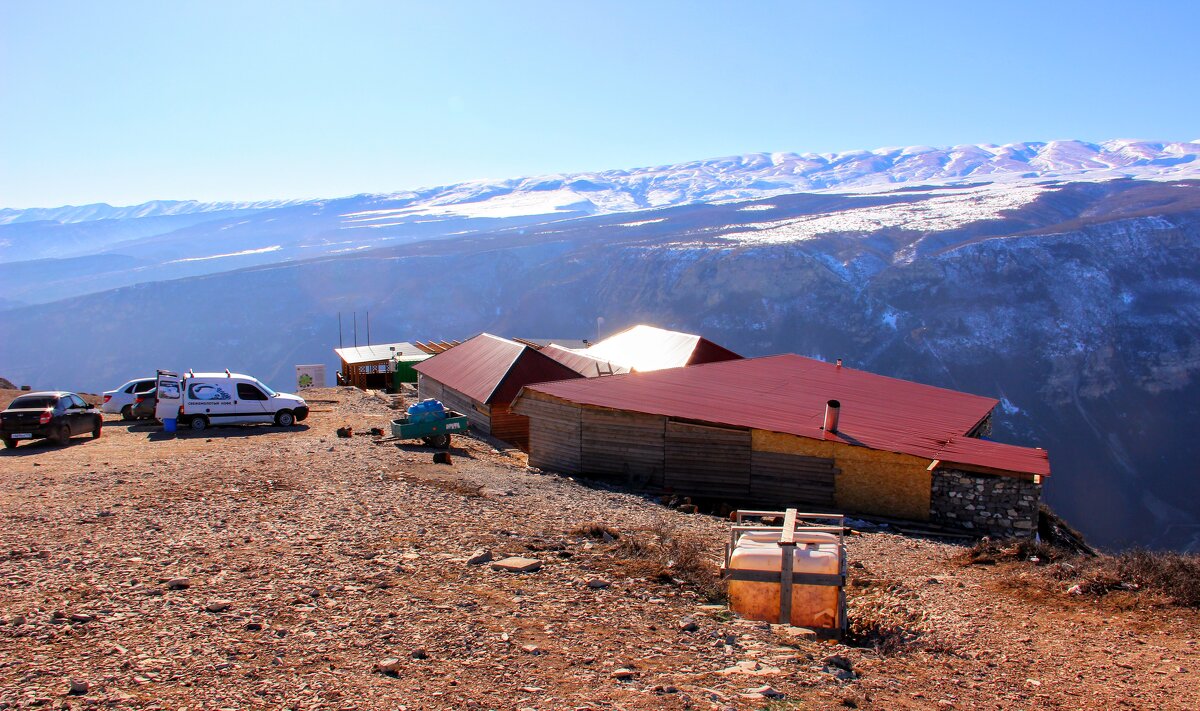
x,y
198,400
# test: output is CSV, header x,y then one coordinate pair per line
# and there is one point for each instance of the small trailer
x,y
434,433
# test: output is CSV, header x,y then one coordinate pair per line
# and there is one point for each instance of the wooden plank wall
x,y
623,444
788,479
510,427
429,388
707,461
555,440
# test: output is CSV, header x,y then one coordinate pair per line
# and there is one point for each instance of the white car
x,y
122,399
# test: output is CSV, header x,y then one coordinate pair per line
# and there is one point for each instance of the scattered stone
x,y
622,674
254,627
218,605
420,653
531,649
81,618
762,692
390,666
688,624
179,584
78,687
840,667
793,635
598,584
480,557
517,564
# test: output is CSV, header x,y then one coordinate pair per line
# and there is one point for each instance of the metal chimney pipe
x,y
832,408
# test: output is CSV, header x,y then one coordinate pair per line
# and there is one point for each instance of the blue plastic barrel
x,y
169,424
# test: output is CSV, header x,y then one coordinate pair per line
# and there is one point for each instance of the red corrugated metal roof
x,y
582,363
787,393
492,369
646,348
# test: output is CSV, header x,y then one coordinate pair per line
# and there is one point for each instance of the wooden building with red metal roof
x,y
788,430
480,378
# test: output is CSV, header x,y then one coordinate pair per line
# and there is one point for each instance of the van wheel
x,y
285,418
97,428
127,412
198,423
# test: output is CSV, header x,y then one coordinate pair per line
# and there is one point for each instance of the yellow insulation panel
x,y
871,481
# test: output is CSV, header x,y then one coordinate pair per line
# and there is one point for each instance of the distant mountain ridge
x,y
735,178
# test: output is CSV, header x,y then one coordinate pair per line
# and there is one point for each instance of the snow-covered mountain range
x,y
732,178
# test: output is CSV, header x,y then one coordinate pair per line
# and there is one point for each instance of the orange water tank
x,y
814,606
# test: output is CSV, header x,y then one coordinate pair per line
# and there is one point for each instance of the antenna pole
x,y
340,344
356,329
368,328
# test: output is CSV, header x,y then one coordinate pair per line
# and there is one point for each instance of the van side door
x,y
169,394
251,404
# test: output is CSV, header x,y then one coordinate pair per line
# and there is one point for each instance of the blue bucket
x,y
169,424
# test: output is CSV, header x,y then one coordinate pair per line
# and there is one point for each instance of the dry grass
x,y
665,553
597,531
888,617
1151,577
989,552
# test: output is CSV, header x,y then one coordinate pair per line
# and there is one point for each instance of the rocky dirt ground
x,y
257,567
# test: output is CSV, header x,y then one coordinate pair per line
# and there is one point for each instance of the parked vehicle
x,y
144,404
56,416
198,400
121,400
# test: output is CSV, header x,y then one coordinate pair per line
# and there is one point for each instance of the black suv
x,y
56,416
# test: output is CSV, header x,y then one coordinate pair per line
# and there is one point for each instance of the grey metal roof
x,y
380,352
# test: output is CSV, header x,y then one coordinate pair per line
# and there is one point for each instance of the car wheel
x,y
10,443
198,424
441,441
285,418
62,436
127,413
96,430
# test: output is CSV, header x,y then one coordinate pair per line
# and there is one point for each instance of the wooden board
x,y
791,479
554,435
477,413
707,461
623,444
510,427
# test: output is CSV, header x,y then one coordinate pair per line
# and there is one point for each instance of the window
x,y
246,391
78,402
129,388
33,402
144,385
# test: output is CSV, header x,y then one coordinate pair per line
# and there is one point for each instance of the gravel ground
x,y
257,567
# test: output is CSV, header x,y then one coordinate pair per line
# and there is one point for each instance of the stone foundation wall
x,y
997,506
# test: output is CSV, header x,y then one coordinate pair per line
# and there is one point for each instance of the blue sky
x,y
125,102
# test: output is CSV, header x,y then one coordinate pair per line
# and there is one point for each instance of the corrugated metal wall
x,y
555,441
707,461
623,444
